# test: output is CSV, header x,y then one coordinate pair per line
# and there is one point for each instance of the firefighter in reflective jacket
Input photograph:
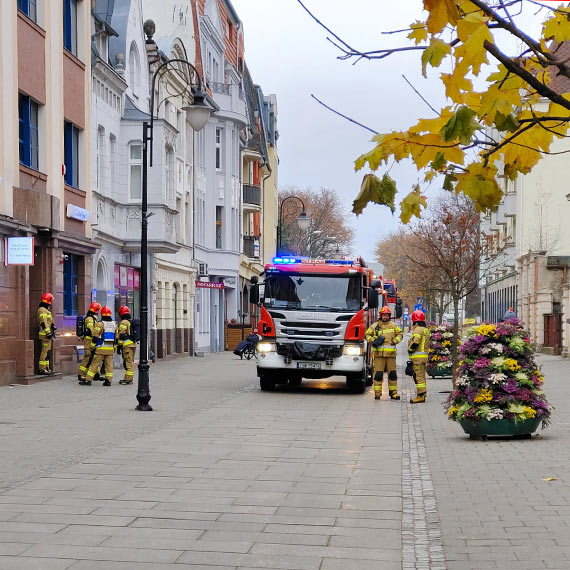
x,y
418,347
126,344
46,333
104,344
88,324
384,336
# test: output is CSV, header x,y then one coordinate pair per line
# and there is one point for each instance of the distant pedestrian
x,y
510,314
46,334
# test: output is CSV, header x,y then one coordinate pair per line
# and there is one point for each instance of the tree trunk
x,y
454,353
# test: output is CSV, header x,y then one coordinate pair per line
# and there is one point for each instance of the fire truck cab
x,y
314,314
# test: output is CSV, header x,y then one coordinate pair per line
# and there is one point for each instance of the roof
x,y
132,112
317,266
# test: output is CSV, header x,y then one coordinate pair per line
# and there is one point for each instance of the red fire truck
x,y
314,314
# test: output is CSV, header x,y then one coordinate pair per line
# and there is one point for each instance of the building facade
x,y
217,176
45,186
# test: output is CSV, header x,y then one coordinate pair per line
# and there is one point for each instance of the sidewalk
x,y
303,479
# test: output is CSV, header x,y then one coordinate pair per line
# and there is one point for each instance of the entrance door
x,y
552,332
214,320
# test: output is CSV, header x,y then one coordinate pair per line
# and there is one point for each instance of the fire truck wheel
x,y
356,384
295,381
266,384
369,379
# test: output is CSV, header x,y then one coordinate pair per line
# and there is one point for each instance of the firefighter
x,y
126,344
103,341
46,333
384,336
418,346
88,324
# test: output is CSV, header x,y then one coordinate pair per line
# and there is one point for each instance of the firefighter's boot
x,y
378,385
106,383
394,396
84,382
418,399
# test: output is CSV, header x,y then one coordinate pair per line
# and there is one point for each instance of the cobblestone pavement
x,y
496,509
224,476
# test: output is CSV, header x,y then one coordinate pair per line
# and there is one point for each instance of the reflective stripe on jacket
x,y
123,333
45,317
392,334
420,337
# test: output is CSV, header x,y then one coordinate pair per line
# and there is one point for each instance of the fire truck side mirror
x,y
254,294
372,298
375,284
398,311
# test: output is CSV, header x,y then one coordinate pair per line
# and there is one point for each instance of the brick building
x,y
44,176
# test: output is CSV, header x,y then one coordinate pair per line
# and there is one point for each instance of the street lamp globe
x,y
198,112
303,221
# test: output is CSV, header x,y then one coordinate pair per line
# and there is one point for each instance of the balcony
x,y
231,105
251,246
251,197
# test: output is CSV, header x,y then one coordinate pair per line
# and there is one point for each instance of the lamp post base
x,y
144,408
143,394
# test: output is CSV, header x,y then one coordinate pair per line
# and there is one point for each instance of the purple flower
x,y
481,362
510,386
470,413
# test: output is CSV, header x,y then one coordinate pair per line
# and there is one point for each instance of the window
x,y
70,284
169,174
219,226
100,157
113,160
70,26
30,8
219,149
71,150
134,69
28,125
135,171
179,220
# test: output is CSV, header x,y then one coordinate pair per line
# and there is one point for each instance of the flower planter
x,y
439,371
484,428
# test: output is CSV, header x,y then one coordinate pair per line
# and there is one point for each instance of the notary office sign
x,y
19,250
76,213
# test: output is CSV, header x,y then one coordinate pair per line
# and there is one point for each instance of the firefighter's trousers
x,y
420,377
102,355
87,352
45,348
129,362
385,364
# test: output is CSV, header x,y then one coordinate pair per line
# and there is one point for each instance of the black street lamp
x,y
198,115
303,220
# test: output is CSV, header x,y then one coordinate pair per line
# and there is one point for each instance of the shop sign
x,y
19,251
77,213
209,285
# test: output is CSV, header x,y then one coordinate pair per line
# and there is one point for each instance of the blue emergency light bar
x,y
289,260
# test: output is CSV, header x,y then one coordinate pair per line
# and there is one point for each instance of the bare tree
x,y
328,231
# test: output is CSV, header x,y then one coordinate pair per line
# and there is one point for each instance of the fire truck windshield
x,y
313,292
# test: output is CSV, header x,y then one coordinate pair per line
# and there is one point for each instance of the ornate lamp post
x,y
303,220
198,115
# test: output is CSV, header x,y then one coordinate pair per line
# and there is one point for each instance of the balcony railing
x,y
249,246
251,194
223,88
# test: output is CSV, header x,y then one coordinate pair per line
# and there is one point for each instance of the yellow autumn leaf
x,y
472,51
434,54
432,125
419,32
479,183
412,205
557,28
454,85
469,24
441,13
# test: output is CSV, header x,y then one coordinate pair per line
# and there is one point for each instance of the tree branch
x,y
343,116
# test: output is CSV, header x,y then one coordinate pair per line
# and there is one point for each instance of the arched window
x,y
134,69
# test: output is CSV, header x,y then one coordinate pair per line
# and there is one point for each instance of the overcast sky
x,y
288,54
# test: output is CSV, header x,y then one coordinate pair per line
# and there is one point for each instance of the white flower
x,y
462,381
497,346
497,378
486,350
495,414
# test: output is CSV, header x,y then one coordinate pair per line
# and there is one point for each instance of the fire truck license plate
x,y
309,365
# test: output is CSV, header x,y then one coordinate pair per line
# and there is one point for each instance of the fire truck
x,y
314,313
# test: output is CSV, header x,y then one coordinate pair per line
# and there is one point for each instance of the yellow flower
x,y
511,364
452,410
446,343
486,330
528,412
484,395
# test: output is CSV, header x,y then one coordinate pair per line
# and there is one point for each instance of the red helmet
x,y
95,307
106,311
418,316
47,298
385,310
124,310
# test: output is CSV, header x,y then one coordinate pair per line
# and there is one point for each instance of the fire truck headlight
x,y
264,347
353,350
